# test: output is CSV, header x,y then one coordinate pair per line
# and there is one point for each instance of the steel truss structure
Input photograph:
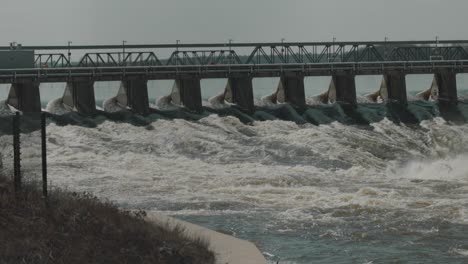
x,y
252,53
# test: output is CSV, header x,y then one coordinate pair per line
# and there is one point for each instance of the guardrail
x,y
249,53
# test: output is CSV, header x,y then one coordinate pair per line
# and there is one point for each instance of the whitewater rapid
x,y
259,165
279,183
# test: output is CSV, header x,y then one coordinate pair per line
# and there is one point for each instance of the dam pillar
x,y
187,92
25,96
239,91
133,93
291,90
344,85
394,83
446,82
79,96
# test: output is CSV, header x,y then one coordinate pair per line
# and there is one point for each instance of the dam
x,y
306,185
239,63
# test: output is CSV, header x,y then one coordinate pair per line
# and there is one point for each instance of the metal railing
x,y
223,71
252,53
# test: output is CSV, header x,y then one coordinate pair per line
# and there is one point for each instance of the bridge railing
x,y
53,60
256,53
109,59
223,71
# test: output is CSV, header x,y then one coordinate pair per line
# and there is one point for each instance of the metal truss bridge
x,y
276,53
239,63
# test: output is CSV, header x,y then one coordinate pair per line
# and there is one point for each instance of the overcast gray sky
x,y
164,21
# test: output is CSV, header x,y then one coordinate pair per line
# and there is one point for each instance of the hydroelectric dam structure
x,y
26,67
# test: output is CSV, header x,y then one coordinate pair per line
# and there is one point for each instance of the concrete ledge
x,y
228,249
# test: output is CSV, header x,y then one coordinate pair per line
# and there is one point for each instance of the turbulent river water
x,y
315,186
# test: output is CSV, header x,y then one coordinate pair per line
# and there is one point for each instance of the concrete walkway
x,y
228,249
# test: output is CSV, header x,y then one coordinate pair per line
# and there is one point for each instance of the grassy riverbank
x,y
79,228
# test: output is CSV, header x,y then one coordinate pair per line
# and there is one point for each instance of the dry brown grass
x,y
79,228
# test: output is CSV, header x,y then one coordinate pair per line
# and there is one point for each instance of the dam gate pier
x,y
187,64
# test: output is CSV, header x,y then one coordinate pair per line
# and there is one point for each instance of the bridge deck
x,y
224,71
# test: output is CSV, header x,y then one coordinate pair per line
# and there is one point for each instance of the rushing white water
x,y
57,107
270,164
5,109
276,182
111,105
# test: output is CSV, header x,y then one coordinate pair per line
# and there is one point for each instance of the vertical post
x,y
44,154
177,53
69,54
282,52
385,48
123,52
230,54
16,153
334,49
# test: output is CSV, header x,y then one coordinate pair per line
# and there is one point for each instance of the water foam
x,y
111,105
57,107
270,164
328,177
5,109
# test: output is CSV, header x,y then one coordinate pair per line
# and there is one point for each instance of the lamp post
x,y
177,52
334,39
123,51
230,51
69,52
385,48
